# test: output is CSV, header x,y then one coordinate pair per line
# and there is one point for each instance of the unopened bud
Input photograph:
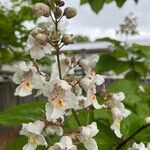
x,y
67,60
41,9
70,12
42,39
54,38
67,39
35,32
58,13
60,3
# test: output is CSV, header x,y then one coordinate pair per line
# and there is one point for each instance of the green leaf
x,y
108,1
120,2
130,124
102,114
96,5
106,139
83,2
129,88
143,109
142,47
23,113
110,40
107,62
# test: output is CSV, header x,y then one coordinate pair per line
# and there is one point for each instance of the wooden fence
x,y
8,99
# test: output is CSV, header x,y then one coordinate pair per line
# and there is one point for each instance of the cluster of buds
x,y
40,35
41,9
66,90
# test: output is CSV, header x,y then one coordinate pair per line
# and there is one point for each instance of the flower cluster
x,y
118,111
72,86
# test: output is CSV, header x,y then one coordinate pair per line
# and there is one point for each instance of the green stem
x,y
59,67
132,136
57,51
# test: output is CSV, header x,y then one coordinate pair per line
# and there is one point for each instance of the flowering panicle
x,y
71,87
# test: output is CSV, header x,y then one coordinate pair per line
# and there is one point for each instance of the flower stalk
x,y
132,136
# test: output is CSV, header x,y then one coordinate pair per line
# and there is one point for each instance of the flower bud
x,y
54,38
70,12
35,32
42,38
58,13
67,39
60,3
41,9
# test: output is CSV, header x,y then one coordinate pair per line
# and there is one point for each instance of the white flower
x,y
65,63
64,144
27,78
141,88
60,98
87,83
33,132
116,127
37,51
54,129
86,136
89,62
140,146
118,96
82,102
147,119
89,86
118,111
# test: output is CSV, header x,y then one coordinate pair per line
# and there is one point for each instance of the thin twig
x,y
59,67
37,67
60,18
132,135
52,17
61,46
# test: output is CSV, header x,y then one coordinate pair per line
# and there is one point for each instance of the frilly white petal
x,y
36,53
89,131
116,128
99,79
20,91
96,105
29,146
35,128
90,144
53,112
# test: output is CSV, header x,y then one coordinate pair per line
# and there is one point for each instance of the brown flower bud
x,y
58,13
67,39
60,3
70,12
54,38
35,32
41,9
42,38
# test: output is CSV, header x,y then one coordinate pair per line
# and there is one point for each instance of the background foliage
x,y
133,61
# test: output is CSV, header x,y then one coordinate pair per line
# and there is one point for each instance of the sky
x,y
107,21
